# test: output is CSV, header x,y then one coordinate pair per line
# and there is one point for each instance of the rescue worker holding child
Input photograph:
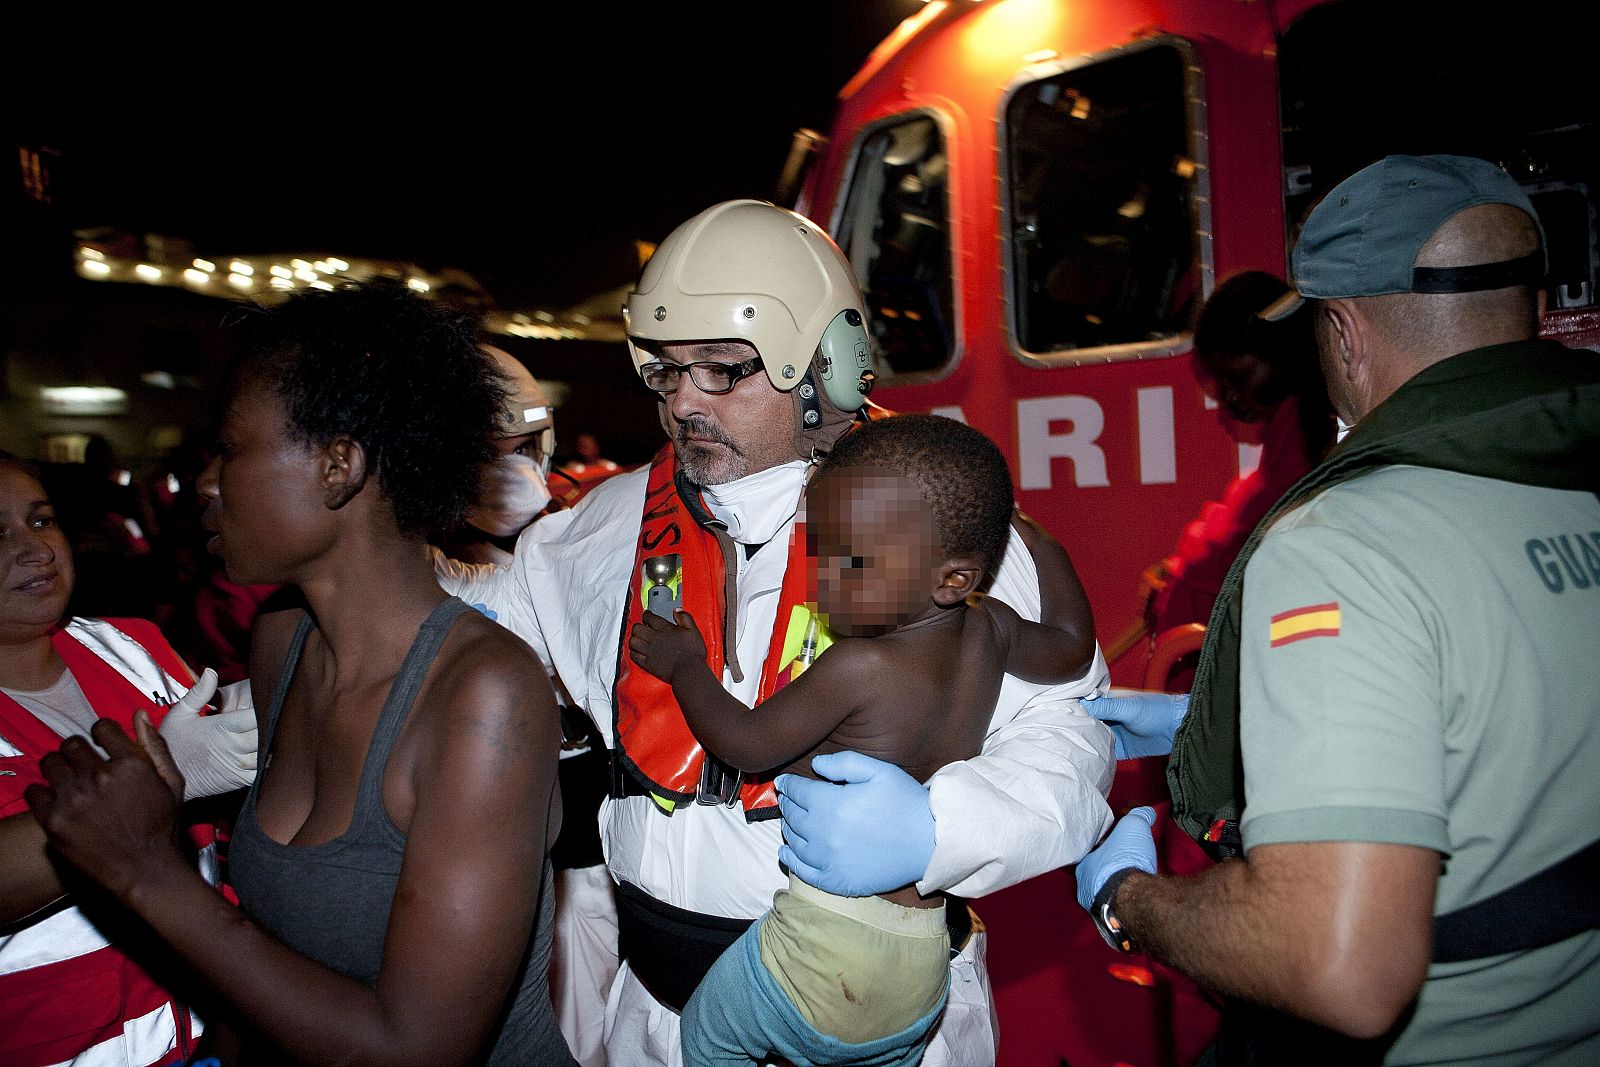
x,y
750,327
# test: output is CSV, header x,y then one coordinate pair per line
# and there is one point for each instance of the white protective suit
x,y
1033,801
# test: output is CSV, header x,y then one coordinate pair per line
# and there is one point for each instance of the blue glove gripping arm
x,y
1131,844
1143,722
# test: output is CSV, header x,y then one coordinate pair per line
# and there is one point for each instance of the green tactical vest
x,y
1525,412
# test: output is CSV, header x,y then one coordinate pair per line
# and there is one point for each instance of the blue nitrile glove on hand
x,y
1131,843
1143,722
871,834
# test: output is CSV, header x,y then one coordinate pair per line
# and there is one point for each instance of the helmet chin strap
x,y
818,422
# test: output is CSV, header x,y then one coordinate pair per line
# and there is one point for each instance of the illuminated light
x,y
205,265
1043,55
159,379
324,286
544,316
299,264
278,270
1133,209
321,267
1184,168
1132,972
126,478
239,266
83,400
172,484
418,284
913,316
147,272
241,281
338,264
95,266
90,253
1080,108
196,277
889,313
582,320
539,330
1094,319
306,275
992,36
282,283
520,317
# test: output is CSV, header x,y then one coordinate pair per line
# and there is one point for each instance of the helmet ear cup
x,y
844,361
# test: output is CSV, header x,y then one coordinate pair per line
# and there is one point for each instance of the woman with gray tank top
x,y
391,859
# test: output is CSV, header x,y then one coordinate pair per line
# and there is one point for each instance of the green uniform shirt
x,y
1420,665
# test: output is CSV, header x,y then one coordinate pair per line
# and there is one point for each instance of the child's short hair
x,y
959,472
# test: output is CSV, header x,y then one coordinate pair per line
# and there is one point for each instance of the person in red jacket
x,y
67,994
1265,377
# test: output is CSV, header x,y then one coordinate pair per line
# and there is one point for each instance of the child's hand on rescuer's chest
x,y
660,647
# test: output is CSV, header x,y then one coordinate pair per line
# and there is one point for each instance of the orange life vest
x,y
653,741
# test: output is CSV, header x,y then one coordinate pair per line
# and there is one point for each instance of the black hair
x,y
16,462
399,374
1229,323
958,470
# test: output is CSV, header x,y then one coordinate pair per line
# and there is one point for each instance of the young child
x,y
904,520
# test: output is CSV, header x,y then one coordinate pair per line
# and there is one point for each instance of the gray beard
x,y
709,466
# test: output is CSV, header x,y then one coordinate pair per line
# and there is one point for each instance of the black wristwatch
x,y
1105,920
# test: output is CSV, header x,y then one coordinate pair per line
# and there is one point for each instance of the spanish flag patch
x,y
1318,620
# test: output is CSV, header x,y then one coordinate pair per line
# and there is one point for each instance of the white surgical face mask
x,y
514,493
755,507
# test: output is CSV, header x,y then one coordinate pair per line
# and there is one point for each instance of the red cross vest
x,y
64,991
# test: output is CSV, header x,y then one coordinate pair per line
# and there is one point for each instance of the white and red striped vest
x,y
66,995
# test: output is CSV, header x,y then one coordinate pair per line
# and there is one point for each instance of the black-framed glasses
x,y
708,376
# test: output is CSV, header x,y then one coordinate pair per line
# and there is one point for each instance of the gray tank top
x,y
330,901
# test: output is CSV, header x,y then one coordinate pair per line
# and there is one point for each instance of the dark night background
x,y
528,149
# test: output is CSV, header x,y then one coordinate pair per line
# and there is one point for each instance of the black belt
x,y
670,950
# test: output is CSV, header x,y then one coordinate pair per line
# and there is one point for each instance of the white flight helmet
x,y
526,409
747,270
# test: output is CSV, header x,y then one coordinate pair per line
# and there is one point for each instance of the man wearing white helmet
x,y
749,326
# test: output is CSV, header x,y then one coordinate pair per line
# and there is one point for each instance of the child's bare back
x,y
915,672
921,696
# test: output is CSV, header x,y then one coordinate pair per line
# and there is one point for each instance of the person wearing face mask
x,y
516,482
749,326
515,493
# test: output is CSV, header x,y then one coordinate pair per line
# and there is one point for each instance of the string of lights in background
x,y
263,278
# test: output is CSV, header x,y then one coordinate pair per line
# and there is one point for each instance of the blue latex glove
x,y
1142,722
1129,844
871,834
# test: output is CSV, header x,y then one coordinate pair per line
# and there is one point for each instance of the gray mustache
x,y
698,426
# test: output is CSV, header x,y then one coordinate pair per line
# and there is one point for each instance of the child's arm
x,y
785,726
1060,646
